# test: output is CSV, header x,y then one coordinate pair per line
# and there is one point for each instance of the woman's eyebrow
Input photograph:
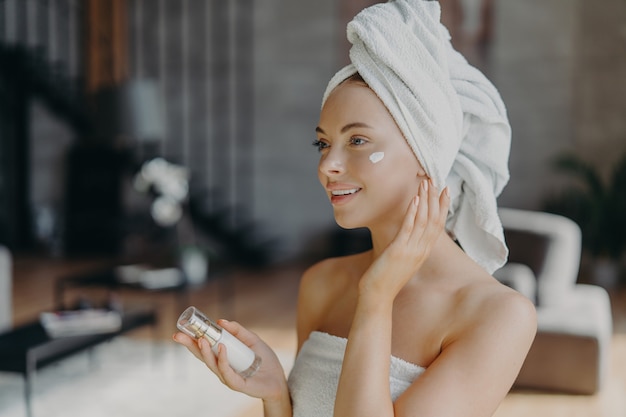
x,y
347,127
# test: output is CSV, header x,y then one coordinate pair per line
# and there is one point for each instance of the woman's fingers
x,y
226,373
437,210
200,349
219,363
430,216
246,336
207,354
433,205
189,343
408,224
423,209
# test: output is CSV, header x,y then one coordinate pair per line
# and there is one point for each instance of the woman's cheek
x,y
376,157
370,160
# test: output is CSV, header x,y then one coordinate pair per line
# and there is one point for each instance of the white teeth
x,y
344,192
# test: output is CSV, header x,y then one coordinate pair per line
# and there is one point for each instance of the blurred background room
x,y
174,137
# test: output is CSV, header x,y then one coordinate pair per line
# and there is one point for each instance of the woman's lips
x,y
343,196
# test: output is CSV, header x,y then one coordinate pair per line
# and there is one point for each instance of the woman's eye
x,y
320,145
358,141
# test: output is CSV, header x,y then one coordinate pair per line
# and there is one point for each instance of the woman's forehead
x,y
356,100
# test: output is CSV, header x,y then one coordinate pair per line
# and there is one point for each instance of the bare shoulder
x,y
490,304
493,324
503,304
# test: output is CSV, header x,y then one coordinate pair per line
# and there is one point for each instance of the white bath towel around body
x,y
315,375
450,114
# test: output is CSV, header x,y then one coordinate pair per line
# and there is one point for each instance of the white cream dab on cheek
x,y
377,157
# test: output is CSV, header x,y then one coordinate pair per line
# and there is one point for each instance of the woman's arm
x,y
364,382
363,388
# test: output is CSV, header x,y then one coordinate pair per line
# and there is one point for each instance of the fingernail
x,y
416,200
425,185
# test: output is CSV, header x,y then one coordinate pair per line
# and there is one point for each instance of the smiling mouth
x,y
344,192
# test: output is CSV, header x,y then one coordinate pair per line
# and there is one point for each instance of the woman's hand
x,y
423,223
268,383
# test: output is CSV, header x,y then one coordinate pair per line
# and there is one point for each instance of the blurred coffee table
x,y
28,348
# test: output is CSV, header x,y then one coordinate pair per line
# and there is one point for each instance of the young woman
x,y
416,326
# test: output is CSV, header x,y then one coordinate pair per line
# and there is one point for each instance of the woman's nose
x,y
332,163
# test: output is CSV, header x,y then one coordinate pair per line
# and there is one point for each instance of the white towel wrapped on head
x,y
452,117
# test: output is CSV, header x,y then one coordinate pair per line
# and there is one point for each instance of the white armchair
x,y
572,348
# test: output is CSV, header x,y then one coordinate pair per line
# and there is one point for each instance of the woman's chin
x,y
348,223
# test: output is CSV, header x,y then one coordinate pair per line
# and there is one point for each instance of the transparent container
x,y
240,357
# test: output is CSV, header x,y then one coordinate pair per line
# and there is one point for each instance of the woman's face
x,y
368,170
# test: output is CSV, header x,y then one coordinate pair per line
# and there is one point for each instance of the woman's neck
x,y
441,252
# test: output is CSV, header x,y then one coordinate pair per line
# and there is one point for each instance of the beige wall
x,y
531,63
599,83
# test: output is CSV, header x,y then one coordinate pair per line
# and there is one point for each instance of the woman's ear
x,y
421,173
